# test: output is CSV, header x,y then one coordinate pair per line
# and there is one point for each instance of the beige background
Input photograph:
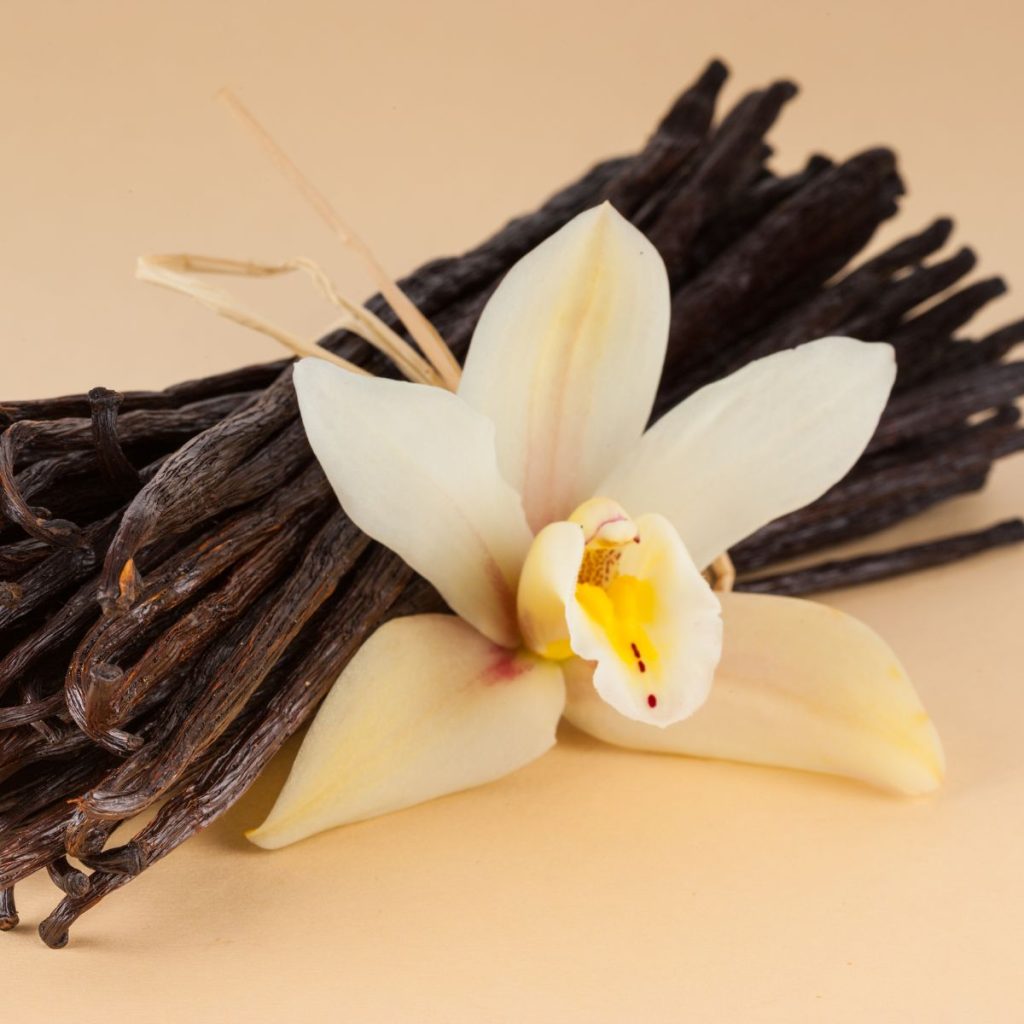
x,y
597,885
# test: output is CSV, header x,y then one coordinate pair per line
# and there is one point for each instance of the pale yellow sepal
x,y
800,685
768,439
416,469
427,707
566,359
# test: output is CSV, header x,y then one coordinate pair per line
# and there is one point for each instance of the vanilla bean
x,y
68,879
948,315
18,556
883,565
924,344
713,181
998,344
62,781
246,749
641,187
275,528
947,402
267,633
757,552
36,843
800,241
119,471
826,310
200,479
237,383
63,569
20,749
8,911
34,711
903,295
740,215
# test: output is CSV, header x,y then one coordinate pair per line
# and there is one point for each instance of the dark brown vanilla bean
x,y
63,781
884,565
68,879
236,383
946,402
949,315
266,635
738,144
257,736
18,556
885,314
8,911
788,254
181,494
21,749
119,471
275,529
831,307
994,346
196,636
742,212
643,184
36,843
33,711
63,569
756,552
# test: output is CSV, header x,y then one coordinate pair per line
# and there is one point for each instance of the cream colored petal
x,y
427,707
769,439
656,636
566,359
415,468
800,685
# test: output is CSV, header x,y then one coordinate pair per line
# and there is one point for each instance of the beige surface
x,y
597,885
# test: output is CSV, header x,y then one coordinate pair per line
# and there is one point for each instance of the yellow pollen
x,y
600,565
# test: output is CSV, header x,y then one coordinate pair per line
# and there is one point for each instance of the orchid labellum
x,y
571,543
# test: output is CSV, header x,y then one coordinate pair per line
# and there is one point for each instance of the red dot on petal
x,y
652,701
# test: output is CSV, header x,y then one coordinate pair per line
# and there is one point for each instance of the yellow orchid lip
x,y
624,594
622,609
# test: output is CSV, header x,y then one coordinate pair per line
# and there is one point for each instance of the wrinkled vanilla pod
x,y
179,590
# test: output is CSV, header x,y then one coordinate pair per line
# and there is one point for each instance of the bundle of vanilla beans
x,y
180,588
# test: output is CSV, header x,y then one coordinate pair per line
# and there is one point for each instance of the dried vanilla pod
x,y
155,639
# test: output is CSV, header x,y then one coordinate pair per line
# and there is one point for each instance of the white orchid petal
x,y
654,664
427,707
566,359
769,439
800,685
415,468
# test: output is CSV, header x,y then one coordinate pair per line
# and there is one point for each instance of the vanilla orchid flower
x,y
570,544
